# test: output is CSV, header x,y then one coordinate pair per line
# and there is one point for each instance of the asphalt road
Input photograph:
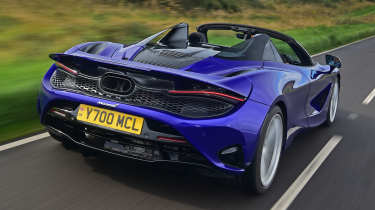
x,y
43,175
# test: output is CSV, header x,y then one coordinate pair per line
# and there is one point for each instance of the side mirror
x,y
333,61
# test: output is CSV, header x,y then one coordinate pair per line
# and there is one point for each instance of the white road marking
x,y
369,98
288,197
23,141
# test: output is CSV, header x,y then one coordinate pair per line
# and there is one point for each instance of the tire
x,y
257,178
67,144
87,152
333,104
70,145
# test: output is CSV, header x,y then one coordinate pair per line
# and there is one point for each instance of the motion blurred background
x,y
31,29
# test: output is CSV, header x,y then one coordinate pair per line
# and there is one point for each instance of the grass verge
x,y
18,100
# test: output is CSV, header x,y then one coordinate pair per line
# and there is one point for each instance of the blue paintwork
x,y
265,85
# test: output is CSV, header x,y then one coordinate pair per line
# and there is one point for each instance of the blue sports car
x,y
227,97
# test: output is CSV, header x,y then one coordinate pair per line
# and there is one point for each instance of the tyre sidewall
x,y
252,178
328,121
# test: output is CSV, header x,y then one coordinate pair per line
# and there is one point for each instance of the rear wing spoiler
x,y
92,63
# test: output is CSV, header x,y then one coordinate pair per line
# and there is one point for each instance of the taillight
x,y
72,71
58,112
169,139
207,93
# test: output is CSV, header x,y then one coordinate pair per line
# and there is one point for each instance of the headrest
x,y
197,38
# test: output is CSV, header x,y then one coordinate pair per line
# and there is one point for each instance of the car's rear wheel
x,y
259,176
68,144
333,104
65,142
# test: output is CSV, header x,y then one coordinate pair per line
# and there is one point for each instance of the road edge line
x,y
290,195
346,45
23,141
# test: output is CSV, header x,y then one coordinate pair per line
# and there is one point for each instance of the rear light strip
x,y
66,68
58,112
162,138
205,92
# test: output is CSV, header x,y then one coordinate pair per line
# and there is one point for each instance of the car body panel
x,y
207,135
302,90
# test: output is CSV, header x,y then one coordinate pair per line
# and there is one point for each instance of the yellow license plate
x,y
110,119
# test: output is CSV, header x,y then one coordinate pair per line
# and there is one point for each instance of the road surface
x,y
43,175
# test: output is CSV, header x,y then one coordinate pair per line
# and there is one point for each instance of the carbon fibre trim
x,y
173,58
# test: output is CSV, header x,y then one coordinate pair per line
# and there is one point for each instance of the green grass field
x,y
26,40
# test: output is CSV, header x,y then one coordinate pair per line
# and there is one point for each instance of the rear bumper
x,y
60,135
207,137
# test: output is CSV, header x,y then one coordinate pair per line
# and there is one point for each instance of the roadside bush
x,y
186,5
348,21
227,5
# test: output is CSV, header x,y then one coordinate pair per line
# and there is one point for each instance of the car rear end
x,y
149,115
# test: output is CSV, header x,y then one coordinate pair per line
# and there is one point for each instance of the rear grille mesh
x,y
186,106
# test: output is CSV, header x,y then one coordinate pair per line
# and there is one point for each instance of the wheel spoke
x,y
271,149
